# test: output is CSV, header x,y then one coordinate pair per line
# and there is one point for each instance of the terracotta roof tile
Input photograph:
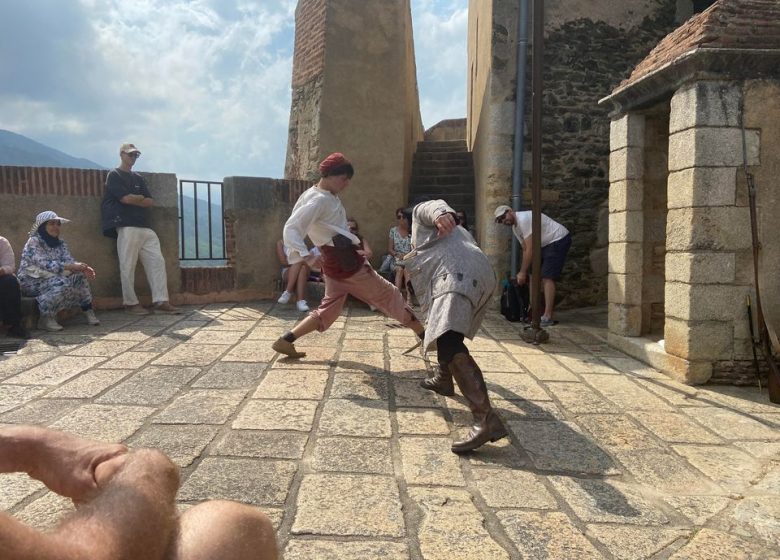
x,y
727,24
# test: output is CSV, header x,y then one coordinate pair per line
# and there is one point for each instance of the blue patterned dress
x,y
42,276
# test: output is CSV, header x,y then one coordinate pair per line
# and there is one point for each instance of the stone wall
x,y
255,210
589,48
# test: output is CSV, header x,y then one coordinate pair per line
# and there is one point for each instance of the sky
x,y
202,87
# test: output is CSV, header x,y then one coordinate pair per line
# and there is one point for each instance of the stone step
x,y
445,145
456,200
443,180
443,157
425,169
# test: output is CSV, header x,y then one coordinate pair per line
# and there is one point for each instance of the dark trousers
x,y
10,300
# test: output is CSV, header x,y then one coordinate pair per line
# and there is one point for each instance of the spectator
x,y
10,293
125,213
49,273
463,221
127,509
399,243
294,277
556,241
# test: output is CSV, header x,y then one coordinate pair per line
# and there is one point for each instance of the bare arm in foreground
x,y
126,509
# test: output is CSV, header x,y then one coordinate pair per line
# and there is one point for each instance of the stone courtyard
x,y
607,457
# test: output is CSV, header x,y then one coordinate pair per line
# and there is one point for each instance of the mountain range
x,y
16,149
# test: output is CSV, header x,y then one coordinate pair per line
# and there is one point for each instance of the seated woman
x,y
294,277
49,273
399,243
10,293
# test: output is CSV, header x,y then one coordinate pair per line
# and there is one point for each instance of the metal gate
x,y
201,223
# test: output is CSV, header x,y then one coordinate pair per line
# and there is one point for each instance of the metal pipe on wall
x,y
517,160
536,172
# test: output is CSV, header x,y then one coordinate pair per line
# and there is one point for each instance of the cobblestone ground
x,y
607,457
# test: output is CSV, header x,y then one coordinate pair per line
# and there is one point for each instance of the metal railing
x,y
201,223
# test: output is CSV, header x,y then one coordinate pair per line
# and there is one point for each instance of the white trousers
x,y
136,243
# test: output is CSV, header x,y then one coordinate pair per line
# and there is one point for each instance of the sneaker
x,y
91,317
48,323
287,348
546,322
166,308
302,305
18,331
136,309
285,297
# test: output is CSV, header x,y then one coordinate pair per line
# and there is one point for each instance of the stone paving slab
x,y
607,457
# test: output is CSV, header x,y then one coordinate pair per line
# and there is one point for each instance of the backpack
x,y
514,301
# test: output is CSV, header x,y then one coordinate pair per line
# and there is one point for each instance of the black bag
x,y
515,302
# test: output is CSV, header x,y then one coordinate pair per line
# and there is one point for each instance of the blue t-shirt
x,y
114,213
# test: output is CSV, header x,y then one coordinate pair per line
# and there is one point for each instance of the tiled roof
x,y
727,24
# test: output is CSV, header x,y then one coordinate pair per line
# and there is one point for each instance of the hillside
x,y
16,149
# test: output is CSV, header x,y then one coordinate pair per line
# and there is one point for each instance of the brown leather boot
x,y
487,425
441,382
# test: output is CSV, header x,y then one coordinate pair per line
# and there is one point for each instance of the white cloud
x,y
202,86
440,35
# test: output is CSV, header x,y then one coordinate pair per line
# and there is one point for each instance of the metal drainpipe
x,y
517,161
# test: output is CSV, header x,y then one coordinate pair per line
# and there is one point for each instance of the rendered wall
x,y
363,102
590,46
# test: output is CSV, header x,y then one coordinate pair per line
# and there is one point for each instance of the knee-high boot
x,y
487,425
441,382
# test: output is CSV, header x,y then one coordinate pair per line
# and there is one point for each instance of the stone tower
x,y
355,91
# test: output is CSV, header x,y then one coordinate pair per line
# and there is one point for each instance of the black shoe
x,y
18,331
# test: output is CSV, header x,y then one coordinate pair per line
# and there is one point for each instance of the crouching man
x,y
454,282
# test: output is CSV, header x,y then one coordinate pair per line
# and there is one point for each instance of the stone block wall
x,y
708,227
699,270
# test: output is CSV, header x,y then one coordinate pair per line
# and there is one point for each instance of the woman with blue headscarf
x,y
49,273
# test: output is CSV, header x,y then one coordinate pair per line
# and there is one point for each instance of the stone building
x,y
355,91
590,46
696,115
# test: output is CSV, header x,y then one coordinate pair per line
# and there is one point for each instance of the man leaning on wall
x,y
125,216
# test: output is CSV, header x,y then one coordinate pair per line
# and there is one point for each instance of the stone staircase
x,y
444,170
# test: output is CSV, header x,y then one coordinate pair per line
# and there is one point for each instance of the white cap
x,y
501,210
46,216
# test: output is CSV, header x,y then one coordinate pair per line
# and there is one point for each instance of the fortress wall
x,y
590,46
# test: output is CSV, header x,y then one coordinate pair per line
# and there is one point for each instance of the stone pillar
x,y
708,229
626,164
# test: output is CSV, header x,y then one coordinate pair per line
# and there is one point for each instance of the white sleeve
x,y
426,213
296,228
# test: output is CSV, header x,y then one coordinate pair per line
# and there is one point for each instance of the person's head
x,y
48,223
462,218
404,217
335,173
352,225
128,154
504,215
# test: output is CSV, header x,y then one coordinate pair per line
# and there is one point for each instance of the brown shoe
x,y
136,309
287,348
440,382
166,309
